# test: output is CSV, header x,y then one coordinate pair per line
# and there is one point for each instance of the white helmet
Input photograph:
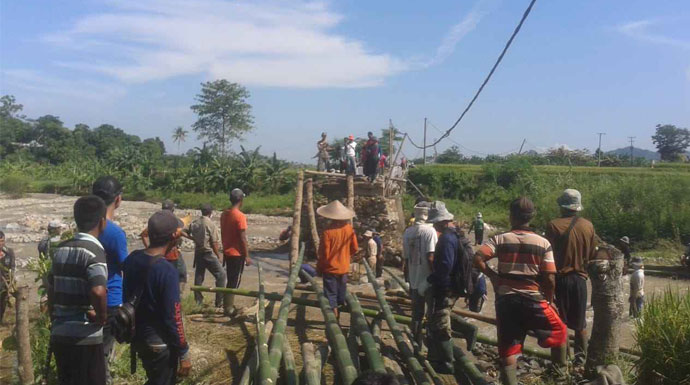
x,y
479,215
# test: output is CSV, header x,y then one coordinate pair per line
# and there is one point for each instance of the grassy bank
x,y
650,206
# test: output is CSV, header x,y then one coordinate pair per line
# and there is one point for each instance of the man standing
x,y
478,227
7,267
370,156
77,298
350,153
233,231
159,340
419,244
322,147
207,254
443,295
624,245
51,240
371,249
173,255
379,254
338,245
114,242
524,287
574,244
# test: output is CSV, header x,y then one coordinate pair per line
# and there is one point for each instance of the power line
x,y
486,80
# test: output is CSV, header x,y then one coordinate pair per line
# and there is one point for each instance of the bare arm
x,y
97,297
216,251
480,263
244,246
548,285
430,258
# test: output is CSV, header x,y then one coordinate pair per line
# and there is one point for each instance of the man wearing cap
x,y
370,156
174,255
371,249
51,240
419,244
233,232
574,244
207,255
478,227
114,243
7,267
524,287
624,245
440,342
160,339
337,246
77,298
322,153
350,154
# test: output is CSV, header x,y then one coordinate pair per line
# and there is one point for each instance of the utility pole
x,y
522,145
390,138
632,138
599,151
424,150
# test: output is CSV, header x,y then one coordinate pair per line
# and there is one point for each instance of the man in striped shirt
x,y
524,286
77,298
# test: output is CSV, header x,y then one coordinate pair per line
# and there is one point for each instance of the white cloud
x,y
40,83
642,30
265,42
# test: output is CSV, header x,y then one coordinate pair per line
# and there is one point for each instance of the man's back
x,y
78,264
232,223
421,241
204,233
574,255
114,243
338,244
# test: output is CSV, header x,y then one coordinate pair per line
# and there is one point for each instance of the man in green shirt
x,y
478,227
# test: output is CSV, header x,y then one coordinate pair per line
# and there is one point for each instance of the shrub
x,y
15,185
663,338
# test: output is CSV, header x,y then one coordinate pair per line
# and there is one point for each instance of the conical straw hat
x,y
335,210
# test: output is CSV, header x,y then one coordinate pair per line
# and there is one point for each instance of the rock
x,y
12,226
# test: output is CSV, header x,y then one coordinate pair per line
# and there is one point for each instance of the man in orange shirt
x,y
233,233
338,244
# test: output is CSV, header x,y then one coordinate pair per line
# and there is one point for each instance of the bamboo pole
x,y
252,363
291,377
413,364
359,324
335,335
26,368
321,356
323,173
312,214
404,285
312,369
265,367
296,220
278,337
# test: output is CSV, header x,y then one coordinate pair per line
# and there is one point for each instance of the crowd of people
x,y
343,158
96,286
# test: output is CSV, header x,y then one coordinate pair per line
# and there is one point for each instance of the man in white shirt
x,y
371,248
636,286
419,243
350,153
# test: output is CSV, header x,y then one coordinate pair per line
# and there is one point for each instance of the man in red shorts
x,y
524,286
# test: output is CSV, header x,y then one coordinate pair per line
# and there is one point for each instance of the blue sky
x,y
577,68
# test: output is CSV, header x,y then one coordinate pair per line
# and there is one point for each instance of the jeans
x,y
207,260
351,165
335,288
109,343
159,362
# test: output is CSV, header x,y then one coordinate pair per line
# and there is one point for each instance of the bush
x,y
15,185
663,338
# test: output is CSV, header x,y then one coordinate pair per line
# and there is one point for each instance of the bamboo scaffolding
x,y
312,369
359,323
296,220
264,377
312,215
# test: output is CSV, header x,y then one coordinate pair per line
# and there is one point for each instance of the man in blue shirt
x,y
160,339
114,243
440,341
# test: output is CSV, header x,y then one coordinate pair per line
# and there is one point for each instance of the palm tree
x,y
179,136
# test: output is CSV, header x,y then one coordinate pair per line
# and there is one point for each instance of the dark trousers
x,y
370,168
571,300
478,237
351,165
108,343
208,260
335,287
159,363
234,267
79,364
379,266
3,303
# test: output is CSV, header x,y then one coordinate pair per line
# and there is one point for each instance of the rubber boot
x,y
559,363
469,332
229,305
509,375
443,362
418,335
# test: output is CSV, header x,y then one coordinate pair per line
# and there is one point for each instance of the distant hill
x,y
637,153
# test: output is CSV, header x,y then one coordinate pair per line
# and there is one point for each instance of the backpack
x,y
461,275
124,324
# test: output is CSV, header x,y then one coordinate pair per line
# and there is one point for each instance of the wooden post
x,y
395,161
312,215
351,192
605,273
296,220
26,368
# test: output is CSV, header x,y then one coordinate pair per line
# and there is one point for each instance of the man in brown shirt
x,y
574,244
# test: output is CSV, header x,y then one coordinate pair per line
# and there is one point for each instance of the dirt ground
x,y
218,344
